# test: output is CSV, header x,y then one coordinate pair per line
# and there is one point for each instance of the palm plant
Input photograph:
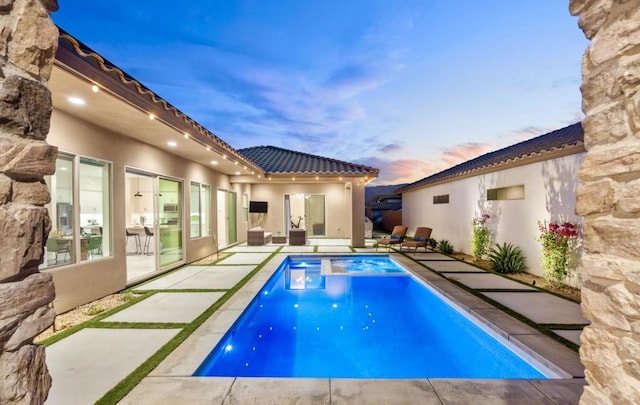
x,y
507,258
445,247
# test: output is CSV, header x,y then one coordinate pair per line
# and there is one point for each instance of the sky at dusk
x,y
411,87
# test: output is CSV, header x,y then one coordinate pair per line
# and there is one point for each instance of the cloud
x,y
463,152
392,147
400,170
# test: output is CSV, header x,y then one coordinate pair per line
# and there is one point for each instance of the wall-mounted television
x,y
258,206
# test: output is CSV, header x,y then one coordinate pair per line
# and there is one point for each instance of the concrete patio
x,y
87,364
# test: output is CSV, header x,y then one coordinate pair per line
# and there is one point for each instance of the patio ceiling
x,y
123,105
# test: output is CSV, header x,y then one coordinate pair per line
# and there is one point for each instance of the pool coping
x,y
178,367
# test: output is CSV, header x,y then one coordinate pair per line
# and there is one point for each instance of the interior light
x,y
95,88
252,172
259,176
214,162
186,135
208,148
76,100
317,178
293,178
236,163
224,157
340,179
237,173
172,143
152,117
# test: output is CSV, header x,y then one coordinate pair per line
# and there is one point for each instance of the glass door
x,y
169,222
232,234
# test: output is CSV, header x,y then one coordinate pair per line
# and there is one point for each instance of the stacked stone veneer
x,y
28,40
610,200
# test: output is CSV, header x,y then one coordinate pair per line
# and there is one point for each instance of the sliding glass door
x,y
170,221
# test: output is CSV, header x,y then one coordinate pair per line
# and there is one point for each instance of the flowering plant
x,y
558,245
481,237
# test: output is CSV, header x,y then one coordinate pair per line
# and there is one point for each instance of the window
x,y
245,207
506,193
441,199
205,220
195,210
95,208
80,211
200,217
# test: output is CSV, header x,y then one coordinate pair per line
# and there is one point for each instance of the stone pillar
x,y
28,41
610,200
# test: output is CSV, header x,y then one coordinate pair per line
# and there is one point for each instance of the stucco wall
x,y
337,203
550,188
86,281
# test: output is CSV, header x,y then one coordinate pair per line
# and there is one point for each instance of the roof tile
x,y
560,138
274,160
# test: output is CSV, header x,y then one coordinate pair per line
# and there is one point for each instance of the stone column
x,y
610,200
28,41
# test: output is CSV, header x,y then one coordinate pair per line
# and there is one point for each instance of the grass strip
x,y
128,383
93,321
544,329
140,325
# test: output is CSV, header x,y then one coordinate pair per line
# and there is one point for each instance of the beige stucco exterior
x,y
118,132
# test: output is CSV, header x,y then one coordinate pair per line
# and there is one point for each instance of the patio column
x,y
608,198
28,40
357,213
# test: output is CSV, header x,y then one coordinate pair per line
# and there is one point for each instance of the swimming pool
x,y
306,324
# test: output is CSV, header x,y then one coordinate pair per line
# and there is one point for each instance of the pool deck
x,y
87,364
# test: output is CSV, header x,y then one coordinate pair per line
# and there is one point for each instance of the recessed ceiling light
x,y
208,148
95,88
76,100
186,135
214,162
237,173
152,117
224,157
172,143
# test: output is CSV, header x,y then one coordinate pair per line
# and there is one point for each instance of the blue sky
x,y
408,86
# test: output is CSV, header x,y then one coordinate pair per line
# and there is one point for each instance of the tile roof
x,y
274,160
571,136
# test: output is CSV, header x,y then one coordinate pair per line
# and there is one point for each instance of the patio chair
x,y
420,239
396,238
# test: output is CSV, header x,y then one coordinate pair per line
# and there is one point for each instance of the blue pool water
x,y
305,324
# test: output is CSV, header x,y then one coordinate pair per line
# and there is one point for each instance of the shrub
x,y
507,258
432,242
126,296
94,310
445,247
481,236
558,246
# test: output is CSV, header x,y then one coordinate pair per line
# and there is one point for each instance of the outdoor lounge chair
x,y
397,236
420,239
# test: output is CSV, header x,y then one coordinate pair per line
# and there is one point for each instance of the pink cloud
x,y
401,170
466,151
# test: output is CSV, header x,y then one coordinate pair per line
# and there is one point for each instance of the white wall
x,y
550,188
337,203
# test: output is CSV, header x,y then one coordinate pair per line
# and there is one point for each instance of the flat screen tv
x,y
258,206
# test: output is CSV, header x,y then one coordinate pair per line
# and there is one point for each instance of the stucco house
x,y
141,188
531,181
